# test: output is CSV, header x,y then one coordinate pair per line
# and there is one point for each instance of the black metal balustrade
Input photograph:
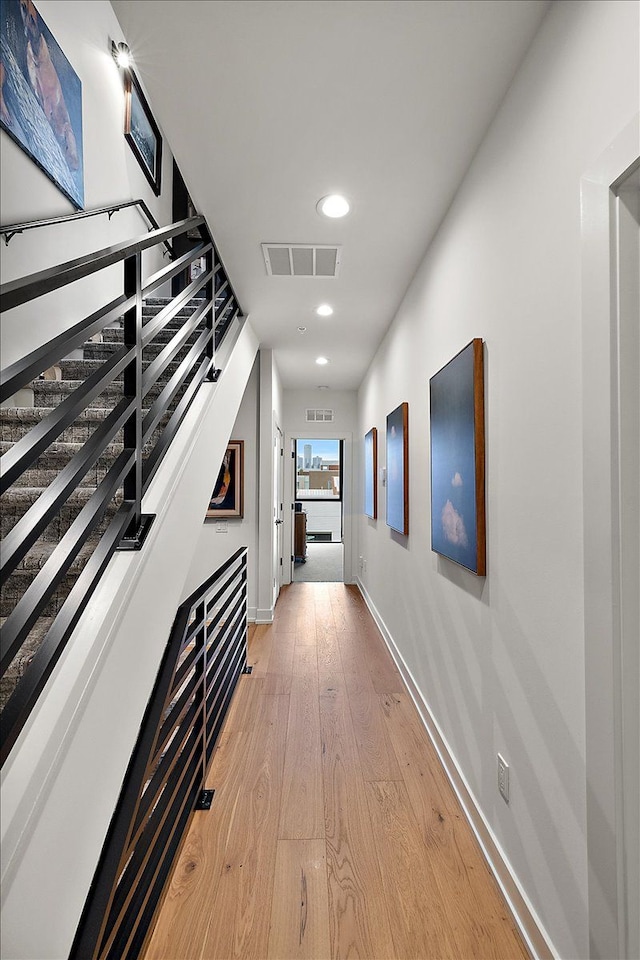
x,y
151,378
164,784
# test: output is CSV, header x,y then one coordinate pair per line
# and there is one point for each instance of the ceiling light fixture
x,y
121,54
302,329
333,206
321,361
324,310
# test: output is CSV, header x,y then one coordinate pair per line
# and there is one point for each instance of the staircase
x,y
16,422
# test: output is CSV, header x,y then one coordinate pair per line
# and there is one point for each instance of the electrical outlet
x,y
503,778
221,526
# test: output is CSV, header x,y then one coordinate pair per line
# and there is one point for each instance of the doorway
x,y
318,527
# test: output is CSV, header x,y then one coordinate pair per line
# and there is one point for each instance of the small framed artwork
x,y
141,131
458,459
398,469
41,98
227,499
371,474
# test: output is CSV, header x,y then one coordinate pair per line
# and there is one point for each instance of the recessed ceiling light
x,y
321,361
324,310
302,329
323,386
333,206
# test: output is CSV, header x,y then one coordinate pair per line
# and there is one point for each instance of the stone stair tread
x,y
42,550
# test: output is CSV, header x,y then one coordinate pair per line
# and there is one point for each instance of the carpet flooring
x,y
324,564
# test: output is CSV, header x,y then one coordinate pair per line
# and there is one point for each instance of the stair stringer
x,y
60,785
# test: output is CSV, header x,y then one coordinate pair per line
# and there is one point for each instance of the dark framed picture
x,y
398,469
227,499
371,474
41,101
458,459
141,131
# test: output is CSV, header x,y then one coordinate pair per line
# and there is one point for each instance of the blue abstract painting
x,y
41,97
457,459
370,473
398,469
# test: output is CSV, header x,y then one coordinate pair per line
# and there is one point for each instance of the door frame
x,y
605,761
347,497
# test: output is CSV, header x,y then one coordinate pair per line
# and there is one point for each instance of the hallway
x,y
333,831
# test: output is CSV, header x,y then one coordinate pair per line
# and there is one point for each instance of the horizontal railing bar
x,y
225,271
178,709
213,599
153,326
157,367
18,374
161,404
154,459
26,451
27,530
219,290
218,697
186,666
156,870
20,704
16,292
129,880
165,765
198,595
18,624
174,268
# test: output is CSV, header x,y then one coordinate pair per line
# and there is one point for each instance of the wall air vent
x,y
301,259
319,416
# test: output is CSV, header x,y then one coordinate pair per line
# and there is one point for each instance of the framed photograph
x,y
227,499
457,459
398,469
371,474
141,131
41,98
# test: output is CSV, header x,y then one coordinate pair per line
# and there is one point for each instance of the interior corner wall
x,y
500,660
344,404
271,418
219,539
111,175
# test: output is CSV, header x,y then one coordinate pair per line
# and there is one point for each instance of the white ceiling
x,y
270,105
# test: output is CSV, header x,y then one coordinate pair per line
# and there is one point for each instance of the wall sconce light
x,y
121,54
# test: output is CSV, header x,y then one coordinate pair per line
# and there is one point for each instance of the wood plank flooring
x,y
334,832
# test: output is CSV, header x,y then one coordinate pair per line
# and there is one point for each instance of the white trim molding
x,y
524,915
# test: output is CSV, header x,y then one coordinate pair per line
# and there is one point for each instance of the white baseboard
x,y
251,614
264,615
523,912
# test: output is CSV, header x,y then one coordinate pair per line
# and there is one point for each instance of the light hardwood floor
x,y
334,831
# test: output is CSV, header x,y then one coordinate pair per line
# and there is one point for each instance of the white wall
x,y
111,174
219,539
344,404
500,661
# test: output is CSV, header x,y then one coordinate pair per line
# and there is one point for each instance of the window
x,y
318,469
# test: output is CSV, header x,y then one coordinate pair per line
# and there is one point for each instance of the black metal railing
x,y
165,780
150,384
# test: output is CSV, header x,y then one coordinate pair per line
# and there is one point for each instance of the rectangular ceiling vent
x,y
319,416
301,259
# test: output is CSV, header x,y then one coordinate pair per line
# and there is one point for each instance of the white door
x,y
278,510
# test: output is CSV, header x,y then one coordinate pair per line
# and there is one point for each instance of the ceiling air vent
x,y
301,259
319,416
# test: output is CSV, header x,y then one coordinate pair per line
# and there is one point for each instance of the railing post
x,y
210,297
206,796
132,387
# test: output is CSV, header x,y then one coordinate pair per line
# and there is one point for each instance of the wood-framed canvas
x,y
141,131
456,392
371,474
41,98
398,469
227,499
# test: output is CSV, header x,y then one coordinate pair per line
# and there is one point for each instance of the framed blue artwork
x,y
398,469
141,132
457,459
41,98
371,474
